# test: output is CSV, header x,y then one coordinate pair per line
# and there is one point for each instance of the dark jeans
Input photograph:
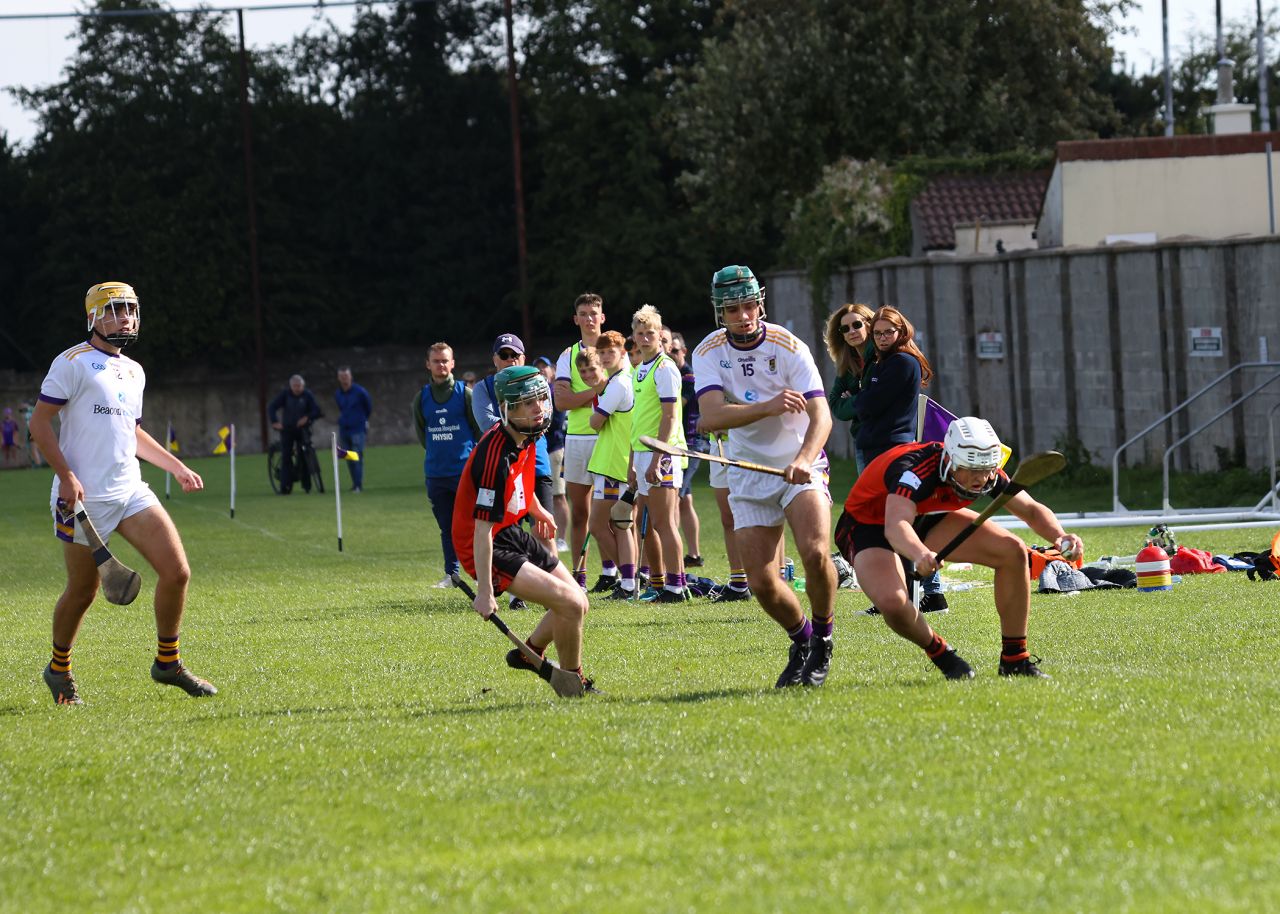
x,y
292,439
441,491
354,441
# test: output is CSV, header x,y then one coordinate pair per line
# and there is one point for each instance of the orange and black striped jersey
x,y
912,471
496,485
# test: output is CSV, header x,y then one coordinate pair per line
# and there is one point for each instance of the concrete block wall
x,y
1096,341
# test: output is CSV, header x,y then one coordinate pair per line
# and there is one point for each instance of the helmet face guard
x,y
736,285
970,444
517,387
113,300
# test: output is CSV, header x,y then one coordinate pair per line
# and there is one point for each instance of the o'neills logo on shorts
x,y
100,410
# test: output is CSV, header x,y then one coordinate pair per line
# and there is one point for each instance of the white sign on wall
x,y
991,345
1205,342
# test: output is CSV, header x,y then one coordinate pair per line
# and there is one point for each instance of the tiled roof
x,y
949,199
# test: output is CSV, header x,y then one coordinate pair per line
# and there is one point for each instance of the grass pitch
x,y
370,751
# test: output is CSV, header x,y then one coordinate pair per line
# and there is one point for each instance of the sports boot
x,y
1024,667
934,603
621,593
184,679
818,665
671,596
605,583
63,687
797,656
730,594
953,666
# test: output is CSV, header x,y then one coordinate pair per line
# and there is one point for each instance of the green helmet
x,y
735,285
522,384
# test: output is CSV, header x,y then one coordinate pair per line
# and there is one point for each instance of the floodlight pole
x,y
1168,77
259,361
522,251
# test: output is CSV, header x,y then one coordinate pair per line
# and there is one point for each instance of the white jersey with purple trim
x,y
753,374
101,400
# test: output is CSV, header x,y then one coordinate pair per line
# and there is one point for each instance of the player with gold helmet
x,y
96,391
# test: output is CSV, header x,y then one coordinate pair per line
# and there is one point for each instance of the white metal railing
x,y
1116,505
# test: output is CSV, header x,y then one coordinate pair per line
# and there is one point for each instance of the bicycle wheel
x,y
273,466
314,466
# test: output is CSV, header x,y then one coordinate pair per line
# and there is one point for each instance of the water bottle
x,y
798,585
788,570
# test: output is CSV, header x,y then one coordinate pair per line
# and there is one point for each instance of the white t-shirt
x,y
618,396
754,374
101,400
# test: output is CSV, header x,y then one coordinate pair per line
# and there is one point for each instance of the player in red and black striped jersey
x,y
911,501
495,491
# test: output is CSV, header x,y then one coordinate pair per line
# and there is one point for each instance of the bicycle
x,y
308,453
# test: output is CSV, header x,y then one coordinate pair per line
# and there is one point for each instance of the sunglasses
x,y
508,354
849,328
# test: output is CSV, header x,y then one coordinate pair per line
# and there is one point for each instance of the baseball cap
x,y
541,360
508,341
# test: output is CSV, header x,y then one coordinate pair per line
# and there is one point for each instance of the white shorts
x,y
759,500
718,474
606,488
577,454
557,473
670,473
105,515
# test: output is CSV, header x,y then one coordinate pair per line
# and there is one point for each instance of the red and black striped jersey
x,y
496,485
912,471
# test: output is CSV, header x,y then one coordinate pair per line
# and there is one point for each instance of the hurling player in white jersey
x,y
759,381
97,391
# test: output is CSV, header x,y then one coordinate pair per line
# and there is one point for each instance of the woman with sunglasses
x,y
886,406
849,345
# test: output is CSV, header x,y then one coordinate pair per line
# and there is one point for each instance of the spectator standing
x,y
354,408
448,433
292,412
555,452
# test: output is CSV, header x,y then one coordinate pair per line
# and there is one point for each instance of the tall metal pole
x,y
251,203
1265,104
1168,76
521,245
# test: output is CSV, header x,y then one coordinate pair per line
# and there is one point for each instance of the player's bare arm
x,y
1045,523
800,470
41,425
899,516
482,543
567,398
154,453
666,425
717,413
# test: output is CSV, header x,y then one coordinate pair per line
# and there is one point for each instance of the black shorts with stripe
x,y
512,547
852,537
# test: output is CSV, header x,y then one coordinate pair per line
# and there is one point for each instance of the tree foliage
x,y
661,140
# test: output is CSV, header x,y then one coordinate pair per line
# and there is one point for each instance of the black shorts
x,y
852,537
512,547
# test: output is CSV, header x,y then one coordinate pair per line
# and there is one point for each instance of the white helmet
x,y
970,444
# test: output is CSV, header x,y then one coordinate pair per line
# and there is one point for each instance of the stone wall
x,y
1096,342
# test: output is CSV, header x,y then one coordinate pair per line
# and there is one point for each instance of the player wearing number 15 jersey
x,y
759,381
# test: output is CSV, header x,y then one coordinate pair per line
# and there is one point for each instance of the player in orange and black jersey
x,y
495,491
912,500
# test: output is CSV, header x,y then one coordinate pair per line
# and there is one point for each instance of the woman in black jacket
x,y
886,406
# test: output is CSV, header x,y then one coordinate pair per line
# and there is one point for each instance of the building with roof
x,y
977,213
1150,189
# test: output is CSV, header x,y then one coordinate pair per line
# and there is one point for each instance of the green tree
x,y
797,84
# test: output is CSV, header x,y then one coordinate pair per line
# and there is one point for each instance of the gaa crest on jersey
x,y
724,363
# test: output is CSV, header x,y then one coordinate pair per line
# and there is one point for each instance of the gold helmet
x,y
109,297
